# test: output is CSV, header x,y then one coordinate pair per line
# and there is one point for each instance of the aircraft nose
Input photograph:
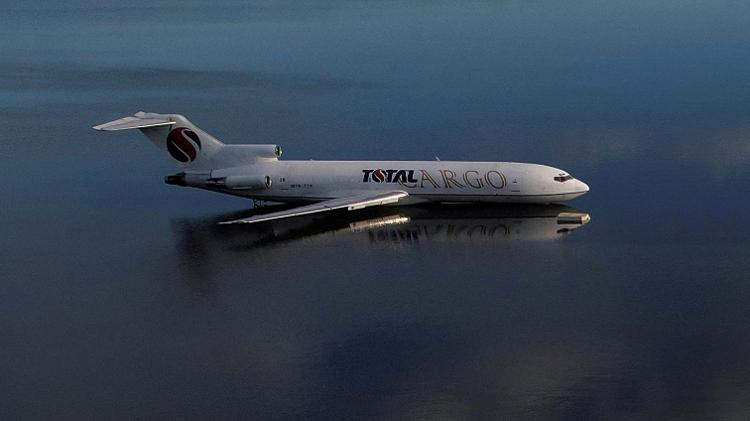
x,y
581,186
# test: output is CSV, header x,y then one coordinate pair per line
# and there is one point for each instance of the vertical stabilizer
x,y
189,146
183,142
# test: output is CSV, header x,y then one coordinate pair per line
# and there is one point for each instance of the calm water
x,y
121,299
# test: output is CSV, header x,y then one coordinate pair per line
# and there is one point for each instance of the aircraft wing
x,y
351,203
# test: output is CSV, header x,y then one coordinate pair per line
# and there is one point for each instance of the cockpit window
x,y
563,178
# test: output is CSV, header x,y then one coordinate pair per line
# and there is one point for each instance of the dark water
x,y
121,299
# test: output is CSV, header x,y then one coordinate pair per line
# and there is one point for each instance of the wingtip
x,y
234,222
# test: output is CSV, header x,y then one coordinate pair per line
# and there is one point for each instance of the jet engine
x,y
259,151
234,182
246,182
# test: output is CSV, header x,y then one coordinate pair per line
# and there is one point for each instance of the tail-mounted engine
x,y
232,182
242,182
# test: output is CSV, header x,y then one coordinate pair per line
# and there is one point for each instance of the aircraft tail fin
x,y
194,149
184,142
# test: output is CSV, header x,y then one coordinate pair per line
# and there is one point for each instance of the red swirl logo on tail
x,y
183,144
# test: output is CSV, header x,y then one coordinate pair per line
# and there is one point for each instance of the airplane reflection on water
x,y
397,225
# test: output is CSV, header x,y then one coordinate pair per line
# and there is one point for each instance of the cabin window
x,y
563,178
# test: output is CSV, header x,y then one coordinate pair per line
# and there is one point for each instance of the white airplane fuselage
x,y
424,181
255,171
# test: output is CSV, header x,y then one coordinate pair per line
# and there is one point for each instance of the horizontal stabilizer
x,y
349,203
137,121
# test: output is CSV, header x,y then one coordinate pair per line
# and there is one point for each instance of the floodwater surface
x,y
121,298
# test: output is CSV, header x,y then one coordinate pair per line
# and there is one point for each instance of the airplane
x,y
254,171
